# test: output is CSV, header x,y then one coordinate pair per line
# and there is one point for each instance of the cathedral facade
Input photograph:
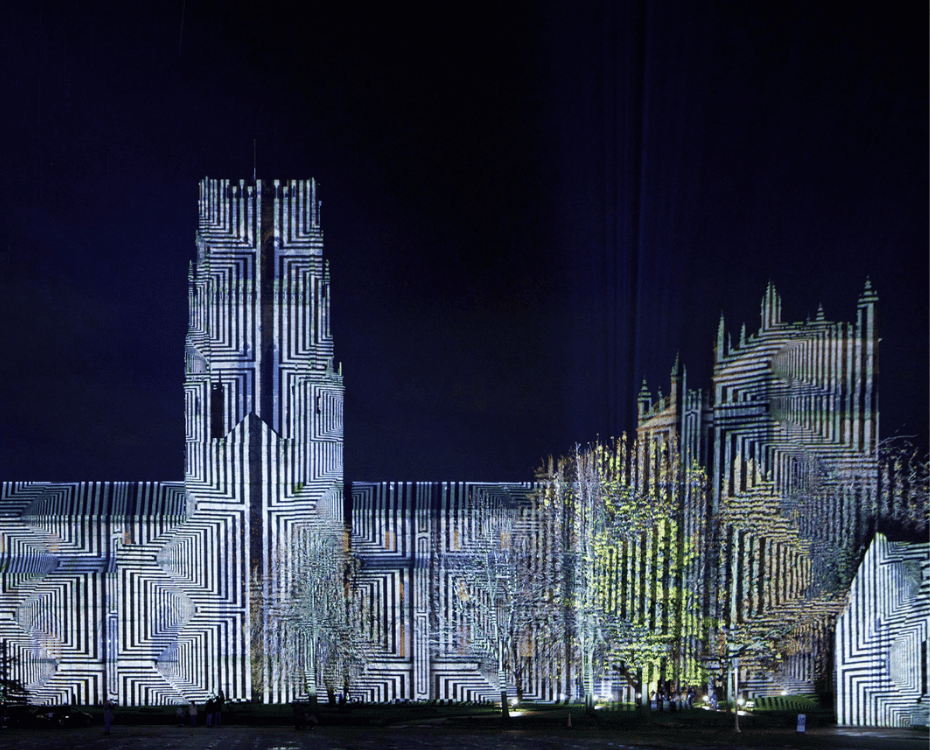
x,y
165,592
159,593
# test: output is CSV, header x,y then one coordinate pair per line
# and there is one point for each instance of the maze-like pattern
x,y
149,593
798,401
264,402
795,418
882,636
259,339
788,434
85,606
146,593
400,529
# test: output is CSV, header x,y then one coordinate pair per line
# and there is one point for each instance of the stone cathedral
x,y
166,592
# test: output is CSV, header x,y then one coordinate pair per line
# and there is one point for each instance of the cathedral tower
x,y
263,402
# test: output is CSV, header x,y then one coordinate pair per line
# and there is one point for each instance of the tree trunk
x,y
565,681
502,682
311,677
517,669
587,673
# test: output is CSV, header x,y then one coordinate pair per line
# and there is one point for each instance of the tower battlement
x,y
235,208
159,593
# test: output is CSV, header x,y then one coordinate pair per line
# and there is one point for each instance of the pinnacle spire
x,y
720,339
771,307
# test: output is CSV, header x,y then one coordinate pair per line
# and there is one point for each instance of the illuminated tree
x,y
630,570
536,626
770,600
786,560
320,609
499,593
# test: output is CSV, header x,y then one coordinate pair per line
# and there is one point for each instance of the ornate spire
x,y
771,307
720,353
868,294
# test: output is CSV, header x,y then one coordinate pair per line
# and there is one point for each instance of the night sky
x,y
527,210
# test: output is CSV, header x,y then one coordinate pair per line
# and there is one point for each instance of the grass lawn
x,y
781,712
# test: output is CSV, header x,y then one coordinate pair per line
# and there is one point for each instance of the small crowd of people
x,y
212,709
683,698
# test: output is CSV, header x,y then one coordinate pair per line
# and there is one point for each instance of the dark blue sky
x,y
527,210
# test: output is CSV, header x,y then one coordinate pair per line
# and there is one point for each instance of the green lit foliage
x,y
630,520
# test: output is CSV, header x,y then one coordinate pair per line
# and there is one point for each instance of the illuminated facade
x,y
163,592
788,434
263,406
155,593
882,638
401,530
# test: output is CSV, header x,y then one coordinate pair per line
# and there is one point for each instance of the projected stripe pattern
x,y
882,639
149,593
399,529
264,402
798,402
86,608
146,593
789,436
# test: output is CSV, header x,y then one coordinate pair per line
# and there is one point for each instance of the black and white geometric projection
x,y
883,637
167,592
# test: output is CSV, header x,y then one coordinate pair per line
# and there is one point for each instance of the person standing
x,y
107,717
192,710
218,708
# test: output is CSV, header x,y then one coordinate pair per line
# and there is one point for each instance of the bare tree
x,y
12,690
319,608
534,630
499,593
818,529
